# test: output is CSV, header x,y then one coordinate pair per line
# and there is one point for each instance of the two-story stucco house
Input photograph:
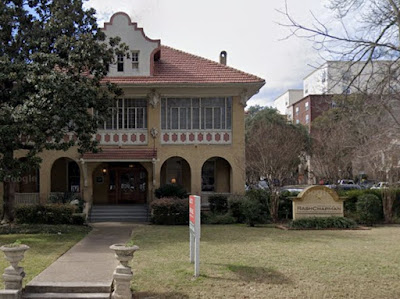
x,y
180,120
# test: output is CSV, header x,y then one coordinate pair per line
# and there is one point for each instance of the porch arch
x,y
176,170
216,174
65,176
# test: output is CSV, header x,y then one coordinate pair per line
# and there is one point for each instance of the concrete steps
x,y
67,291
119,213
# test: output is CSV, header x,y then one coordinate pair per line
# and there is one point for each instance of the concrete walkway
x,y
90,263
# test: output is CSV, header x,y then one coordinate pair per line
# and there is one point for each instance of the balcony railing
x,y
28,199
196,137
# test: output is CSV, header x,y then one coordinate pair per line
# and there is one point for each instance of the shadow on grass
x,y
150,295
258,274
255,274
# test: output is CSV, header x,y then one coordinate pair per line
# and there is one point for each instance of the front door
x,y
128,185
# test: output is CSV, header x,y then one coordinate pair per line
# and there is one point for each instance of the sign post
x,y
194,232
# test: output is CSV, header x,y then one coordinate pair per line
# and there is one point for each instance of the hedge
x,y
171,191
44,214
170,211
369,209
218,203
323,223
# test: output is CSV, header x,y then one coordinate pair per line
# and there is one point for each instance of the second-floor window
x,y
135,60
297,110
306,105
127,114
120,63
196,113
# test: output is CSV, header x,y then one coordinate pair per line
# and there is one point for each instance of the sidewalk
x,y
90,263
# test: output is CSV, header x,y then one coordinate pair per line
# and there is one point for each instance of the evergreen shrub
x,y
323,223
218,203
170,211
44,214
369,209
171,190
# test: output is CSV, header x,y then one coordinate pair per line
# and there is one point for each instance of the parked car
x,y
367,184
262,184
344,187
346,182
381,185
293,188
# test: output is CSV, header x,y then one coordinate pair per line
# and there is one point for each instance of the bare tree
x,y
365,33
273,151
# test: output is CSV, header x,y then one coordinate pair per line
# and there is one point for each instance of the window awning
x,y
121,155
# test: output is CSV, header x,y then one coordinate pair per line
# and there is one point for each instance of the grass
x,y
45,248
264,262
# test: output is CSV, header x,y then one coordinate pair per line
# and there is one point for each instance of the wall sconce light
x,y
173,181
104,170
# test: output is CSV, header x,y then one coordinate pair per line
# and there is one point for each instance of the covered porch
x,y
119,176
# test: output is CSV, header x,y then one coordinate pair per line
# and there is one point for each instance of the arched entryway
x,y
176,170
120,183
27,187
65,176
216,176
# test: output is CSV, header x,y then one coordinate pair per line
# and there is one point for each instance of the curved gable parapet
x,y
144,47
129,23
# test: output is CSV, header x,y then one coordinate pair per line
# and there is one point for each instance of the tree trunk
x,y
9,188
8,201
388,198
274,206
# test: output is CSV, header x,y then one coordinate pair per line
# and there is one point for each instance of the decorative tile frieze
x,y
122,137
196,137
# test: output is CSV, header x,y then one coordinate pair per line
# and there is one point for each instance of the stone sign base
x,y
317,201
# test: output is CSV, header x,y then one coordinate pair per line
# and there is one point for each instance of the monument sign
x,y
317,201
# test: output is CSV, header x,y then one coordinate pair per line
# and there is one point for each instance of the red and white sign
x,y
192,209
194,228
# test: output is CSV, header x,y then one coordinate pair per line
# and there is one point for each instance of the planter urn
x,y
123,273
14,274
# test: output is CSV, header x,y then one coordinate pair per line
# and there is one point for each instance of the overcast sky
x,y
247,30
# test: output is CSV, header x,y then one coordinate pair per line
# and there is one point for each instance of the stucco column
x,y
85,181
195,168
88,187
45,182
238,165
238,176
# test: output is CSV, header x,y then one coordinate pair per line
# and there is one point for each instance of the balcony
x,y
122,137
178,137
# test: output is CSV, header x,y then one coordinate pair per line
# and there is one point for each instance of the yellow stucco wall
x,y
195,155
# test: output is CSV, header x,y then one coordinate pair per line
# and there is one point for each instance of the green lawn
x,y
264,262
44,248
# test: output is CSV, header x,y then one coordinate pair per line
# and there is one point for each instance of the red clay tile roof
x,y
176,66
122,154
